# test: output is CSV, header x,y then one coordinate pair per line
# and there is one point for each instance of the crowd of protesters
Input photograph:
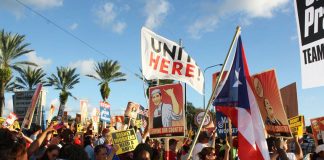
x,y
66,143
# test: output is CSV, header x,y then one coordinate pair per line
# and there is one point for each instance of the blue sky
x,y
269,36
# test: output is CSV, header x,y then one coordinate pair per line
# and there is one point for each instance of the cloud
x,y
156,11
85,66
248,9
40,61
106,16
73,26
119,27
18,10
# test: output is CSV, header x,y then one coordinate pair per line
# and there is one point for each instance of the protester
x,y
37,130
203,141
51,153
143,152
319,152
207,153
73,152
185,152
172,154
88,147
12,146
100,152
278,149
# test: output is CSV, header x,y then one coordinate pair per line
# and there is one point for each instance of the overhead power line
x,y
67,32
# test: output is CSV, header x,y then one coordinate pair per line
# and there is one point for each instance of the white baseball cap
x,y
156,91
319,148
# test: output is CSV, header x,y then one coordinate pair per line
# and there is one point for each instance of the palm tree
x,y
106,72
11,48
29,78
64,81
152,83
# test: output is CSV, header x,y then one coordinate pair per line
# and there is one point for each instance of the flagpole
x,y
237,33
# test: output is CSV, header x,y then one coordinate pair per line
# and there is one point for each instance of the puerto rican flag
x,y
236,100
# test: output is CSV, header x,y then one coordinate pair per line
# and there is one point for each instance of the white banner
x,y
84,110
311,41
165,59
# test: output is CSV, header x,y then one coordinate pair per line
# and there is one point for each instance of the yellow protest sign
x,y
296,125
54,123
16,125
79,128
138,123
2,120
126,140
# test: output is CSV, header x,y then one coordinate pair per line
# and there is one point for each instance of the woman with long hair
x,y
51,153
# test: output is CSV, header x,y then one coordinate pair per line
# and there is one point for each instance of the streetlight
x,y
205,80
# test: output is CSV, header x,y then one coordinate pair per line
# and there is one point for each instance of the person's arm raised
x,y
298,151
37,143
175,104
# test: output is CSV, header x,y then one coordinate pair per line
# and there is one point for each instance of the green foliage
x,y
106,72
64,80
104,90
5,74
190,114
29,78
12,47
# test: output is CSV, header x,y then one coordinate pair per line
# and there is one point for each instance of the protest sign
x,y
296,125
50,114
166,111
289,99
79,128
199,116
318,129
138,123
77,118
222,125
309,17
54,124
2,120
10,120
270,104
84,110
95,119
31,109
126,140
165,59
105,111
132,110
117,121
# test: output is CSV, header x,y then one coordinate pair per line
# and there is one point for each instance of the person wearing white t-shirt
x,y
203,141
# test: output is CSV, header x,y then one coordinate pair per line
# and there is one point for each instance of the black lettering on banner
x,y
171,53
314,54
310,18
153,46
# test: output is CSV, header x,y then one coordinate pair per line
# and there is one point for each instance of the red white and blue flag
x,y
236,100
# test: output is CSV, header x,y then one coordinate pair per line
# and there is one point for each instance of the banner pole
x,y
237,33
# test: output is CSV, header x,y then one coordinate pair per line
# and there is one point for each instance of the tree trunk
x,y
2,98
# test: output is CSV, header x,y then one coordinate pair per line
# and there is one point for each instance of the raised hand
x,y
169,92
